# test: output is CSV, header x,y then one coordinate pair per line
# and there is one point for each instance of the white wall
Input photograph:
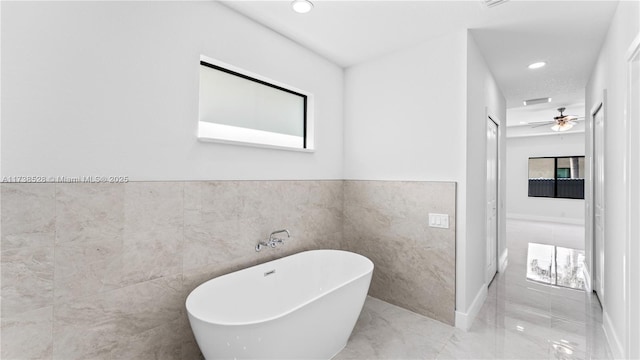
x,y
484,98
519,204
610,74
111,88
403,110
406,118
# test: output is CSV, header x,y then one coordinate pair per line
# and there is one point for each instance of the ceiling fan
x,y
560,123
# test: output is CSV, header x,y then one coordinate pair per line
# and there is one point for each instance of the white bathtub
x,y
302,306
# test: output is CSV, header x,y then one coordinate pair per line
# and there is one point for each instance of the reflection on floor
x,y
556,265
521,319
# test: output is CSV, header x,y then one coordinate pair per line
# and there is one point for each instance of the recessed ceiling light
x,y
537,65
302,6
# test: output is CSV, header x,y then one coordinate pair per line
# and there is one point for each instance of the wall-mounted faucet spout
x,y
273,241
278,232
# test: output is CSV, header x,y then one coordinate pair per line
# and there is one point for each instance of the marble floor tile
x,y
385,331
520,319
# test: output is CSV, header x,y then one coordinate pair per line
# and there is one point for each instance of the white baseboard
x,y
612,338
464,320
561,220
587,279
504,261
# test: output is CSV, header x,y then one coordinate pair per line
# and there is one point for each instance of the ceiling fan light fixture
x,y
301,6
537,65
562,127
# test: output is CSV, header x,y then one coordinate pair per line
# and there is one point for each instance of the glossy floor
x,y
519,320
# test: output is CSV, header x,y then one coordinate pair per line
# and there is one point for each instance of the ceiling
x,y
566,34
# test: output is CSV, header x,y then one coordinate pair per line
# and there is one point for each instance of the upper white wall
x,y
519,204
404,114
111,88
610,75
484,98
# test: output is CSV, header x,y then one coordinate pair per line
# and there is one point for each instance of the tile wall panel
x,y
387,221
101,271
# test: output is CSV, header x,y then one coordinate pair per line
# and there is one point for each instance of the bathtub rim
x,y
295,308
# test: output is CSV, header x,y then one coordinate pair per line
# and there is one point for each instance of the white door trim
x,y
597,107
500,258
632,255
500,214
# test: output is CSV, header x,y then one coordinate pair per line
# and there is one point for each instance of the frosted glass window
x,y
240,107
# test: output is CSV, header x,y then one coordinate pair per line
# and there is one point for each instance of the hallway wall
x,y
484,98
609,75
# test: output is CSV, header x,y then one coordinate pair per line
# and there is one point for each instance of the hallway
x,y
520,319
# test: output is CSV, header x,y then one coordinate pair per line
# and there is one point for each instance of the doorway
x,y
492,200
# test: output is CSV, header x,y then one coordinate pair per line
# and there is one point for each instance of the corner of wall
x,y
464,320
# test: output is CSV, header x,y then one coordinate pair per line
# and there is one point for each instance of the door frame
x,y
632,269
599,105
501,262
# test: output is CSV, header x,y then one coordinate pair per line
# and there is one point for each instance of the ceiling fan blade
x,y
535,125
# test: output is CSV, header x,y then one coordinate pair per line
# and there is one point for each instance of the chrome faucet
x,y
273,241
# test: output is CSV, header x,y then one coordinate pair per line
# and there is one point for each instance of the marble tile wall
x,y
387,221
101,271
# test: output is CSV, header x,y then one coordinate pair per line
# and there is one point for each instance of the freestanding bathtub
x,y
302,306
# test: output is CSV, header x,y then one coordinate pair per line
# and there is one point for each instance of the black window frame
x,y
555,178
262,82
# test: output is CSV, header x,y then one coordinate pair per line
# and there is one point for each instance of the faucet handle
x,y
272,241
